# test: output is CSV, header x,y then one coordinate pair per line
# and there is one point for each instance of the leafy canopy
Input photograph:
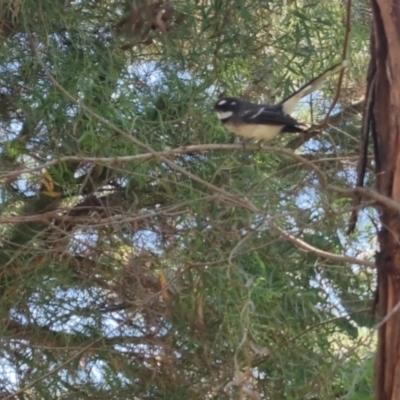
x,y
170,276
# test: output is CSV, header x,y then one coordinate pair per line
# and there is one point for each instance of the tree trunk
x,y
385,121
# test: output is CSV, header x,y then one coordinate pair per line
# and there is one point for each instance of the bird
x,y
264,121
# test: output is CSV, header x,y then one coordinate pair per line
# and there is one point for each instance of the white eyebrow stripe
x,y
258,113
221,102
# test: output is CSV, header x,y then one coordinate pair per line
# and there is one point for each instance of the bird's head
x,y
226,107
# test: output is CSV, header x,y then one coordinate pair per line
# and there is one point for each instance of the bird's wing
x,y
290,103
267,115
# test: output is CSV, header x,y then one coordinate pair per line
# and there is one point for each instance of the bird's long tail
x,y
290,103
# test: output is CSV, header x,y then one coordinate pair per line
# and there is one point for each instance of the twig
x,y
161,154
321,253
62,215
386,201
344,57
365,129
387,317
332,120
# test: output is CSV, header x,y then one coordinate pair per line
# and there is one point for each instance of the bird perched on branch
x,y
263,121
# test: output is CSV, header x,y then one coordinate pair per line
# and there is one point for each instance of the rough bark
x,y
386,131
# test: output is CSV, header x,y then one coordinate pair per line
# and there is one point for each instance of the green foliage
x,y
171,278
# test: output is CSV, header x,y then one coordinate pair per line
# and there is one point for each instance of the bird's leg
x,y
260,144
245,142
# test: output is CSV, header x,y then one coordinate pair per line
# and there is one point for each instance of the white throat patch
x,y
224,114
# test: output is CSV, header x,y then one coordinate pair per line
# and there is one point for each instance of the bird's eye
x,y
233,103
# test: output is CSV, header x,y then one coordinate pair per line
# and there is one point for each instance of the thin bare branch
x,y
344,57
301,244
